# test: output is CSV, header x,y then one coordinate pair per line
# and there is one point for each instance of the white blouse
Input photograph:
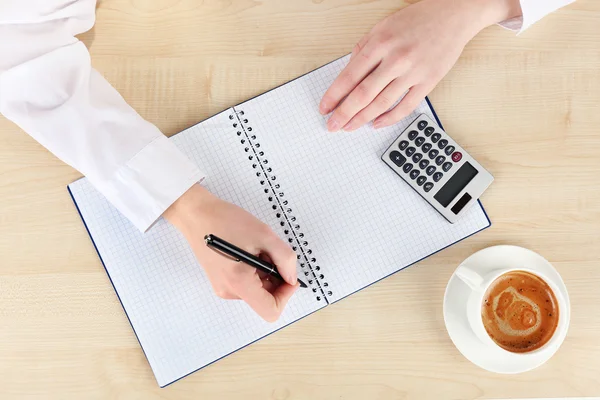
x,y
49,88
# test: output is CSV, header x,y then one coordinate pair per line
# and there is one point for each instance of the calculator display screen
x,y
456,184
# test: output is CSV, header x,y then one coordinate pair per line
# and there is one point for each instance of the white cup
x,y
479,286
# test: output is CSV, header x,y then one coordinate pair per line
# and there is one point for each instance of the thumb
x,y
282,256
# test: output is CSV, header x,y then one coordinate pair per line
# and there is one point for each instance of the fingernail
x,y
324,108
333,125
378,124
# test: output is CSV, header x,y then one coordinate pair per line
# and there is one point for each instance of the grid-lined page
x,y
362,221
180,323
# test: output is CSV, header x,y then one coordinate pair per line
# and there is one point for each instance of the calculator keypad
x,y
457,156
421,167
429,161
397,158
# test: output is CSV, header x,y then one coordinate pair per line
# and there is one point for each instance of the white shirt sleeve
x,y
533,11
50,90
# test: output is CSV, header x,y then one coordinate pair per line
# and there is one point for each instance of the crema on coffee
x,y
520,311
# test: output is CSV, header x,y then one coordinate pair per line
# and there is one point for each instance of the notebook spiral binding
x,y
281,206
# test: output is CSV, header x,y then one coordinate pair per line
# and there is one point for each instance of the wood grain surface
x,y
526,107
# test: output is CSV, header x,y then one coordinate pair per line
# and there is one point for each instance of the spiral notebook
x,y
351,220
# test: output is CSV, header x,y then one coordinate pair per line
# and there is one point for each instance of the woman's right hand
x,y
198,213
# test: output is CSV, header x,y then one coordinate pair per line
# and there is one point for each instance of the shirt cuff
x,y
533,11
150,182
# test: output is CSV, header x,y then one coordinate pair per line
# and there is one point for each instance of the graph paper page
x,y
180,323
361,220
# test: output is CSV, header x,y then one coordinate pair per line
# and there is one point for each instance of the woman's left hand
x,y
408,52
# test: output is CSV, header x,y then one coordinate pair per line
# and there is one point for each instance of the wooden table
x,y
526,107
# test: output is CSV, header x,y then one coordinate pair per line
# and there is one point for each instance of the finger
x,y
382,103
284,258
361,96
407,105
356,70
268,306
359,46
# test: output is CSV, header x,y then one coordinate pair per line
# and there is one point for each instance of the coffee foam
x,y
520,312
504,325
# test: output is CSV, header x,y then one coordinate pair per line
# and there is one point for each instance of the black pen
x,y
239,255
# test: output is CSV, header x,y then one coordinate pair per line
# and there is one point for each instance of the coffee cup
x,y
480,284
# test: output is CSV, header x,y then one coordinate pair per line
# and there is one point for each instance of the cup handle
x,y
470,277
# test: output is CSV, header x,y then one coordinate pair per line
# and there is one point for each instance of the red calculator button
x,y
457,156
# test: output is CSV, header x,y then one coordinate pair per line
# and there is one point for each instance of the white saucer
x,y
455,316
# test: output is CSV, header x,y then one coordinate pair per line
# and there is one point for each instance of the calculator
x,y
441,171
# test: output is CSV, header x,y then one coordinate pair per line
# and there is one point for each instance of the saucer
x,y
489,358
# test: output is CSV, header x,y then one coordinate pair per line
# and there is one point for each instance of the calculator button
x,y
412,135
429,131
417,157
414,173
397,158
419,141
437,176
407,167
447,166
422,125
433,154
436,137
423,164
449,150
426,147
457,156
442,143
410,151
428,186
403,144
421,180
430,170
440,160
